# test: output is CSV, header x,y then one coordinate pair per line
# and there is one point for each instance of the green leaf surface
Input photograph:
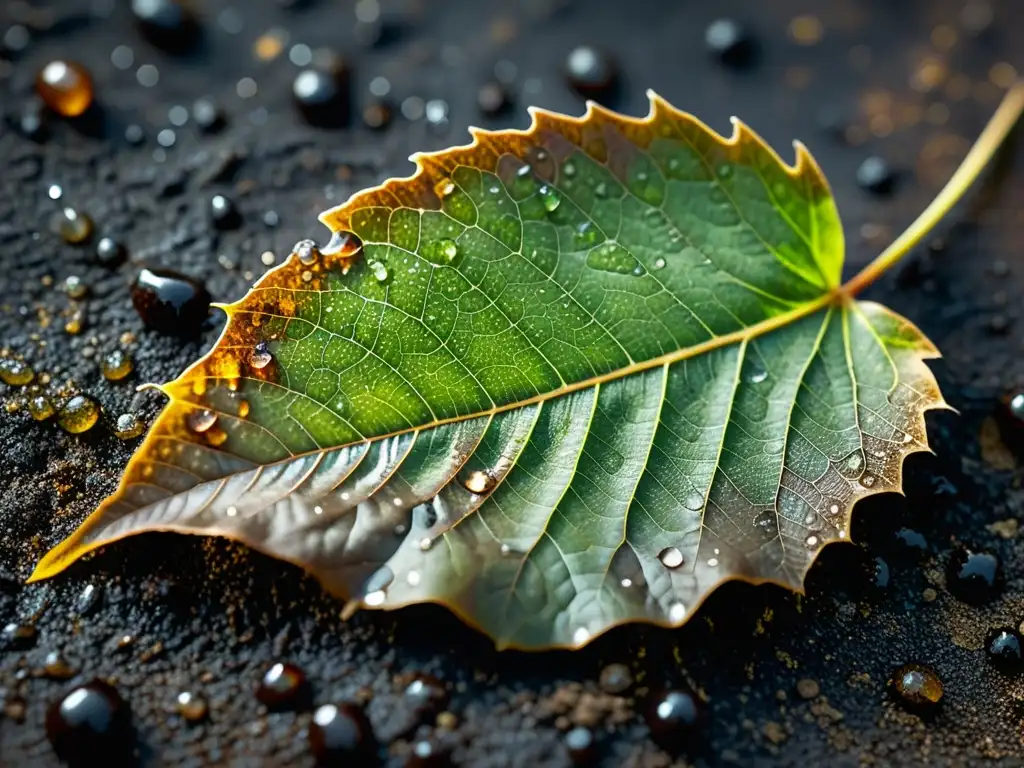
x,y
557,380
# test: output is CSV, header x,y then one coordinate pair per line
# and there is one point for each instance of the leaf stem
x,y
984,148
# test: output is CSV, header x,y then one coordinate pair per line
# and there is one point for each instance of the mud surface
x,y
788,679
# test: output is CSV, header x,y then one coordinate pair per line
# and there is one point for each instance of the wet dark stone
x,y
1004,650
1010,418
284,686
998,324
730,43
323,93
426,694
875,176
167,24
207,115
909,541
88,599
342,735
377,115
917,687
591,73
674,718
493,99
580,744
110,252
57,667
615,678
31,121
18,636
134,134
91,720
170,302
974,576
224,213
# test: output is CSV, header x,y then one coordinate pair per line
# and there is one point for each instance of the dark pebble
x,y
91,720
881,573
974,576
18,637
729,42
1004,649
591,73
170,302
1010,418
426,694
377,115
917,687
493,100
875,176
998,324
581,746
284,686
323,93
167,24
207,115
109,252
223,213
615,678
271,219
674,718
134,134
341,735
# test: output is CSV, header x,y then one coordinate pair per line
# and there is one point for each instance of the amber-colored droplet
x,y
40,407
79,414
65,86
344,245
15,372
129,426
73,226
201,420
444,187
216,436
116,365
243,408
478,482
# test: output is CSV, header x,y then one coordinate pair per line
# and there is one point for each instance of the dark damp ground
x,y
789,680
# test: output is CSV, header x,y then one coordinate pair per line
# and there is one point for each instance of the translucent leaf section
x,y
557,380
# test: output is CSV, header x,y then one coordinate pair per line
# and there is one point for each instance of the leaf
x,y
556,380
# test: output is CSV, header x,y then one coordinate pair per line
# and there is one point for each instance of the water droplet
x,y
724,171
569,169
15,373
615,679
116,365
505,550
671,557
192,707
612,257
659,263
755,374
73,226
88,599
342,735
581,635
306,251
40,407
79,414
413,577
200,419
92,719
907,438
854,462
231,511
601,190
811,541
867,481
448,250
129,426
478,482
283,686
626,583
549,197
713,562
694,501
774,447
318,510
170,302
379,271
917,687
426,543
375,598
833,509
674,718
343,244
974,576
444,187
260,357
1004,647
676,612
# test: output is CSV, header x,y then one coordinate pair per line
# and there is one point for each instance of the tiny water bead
x,y
671,557
192,707
581,745
109,252
92,719
116,365
79,414
974,576
591,73
283,686
478,482
261,356
322,93
344,245
378,270
429,753
73,226
65,87
1004,649
40,407
448,250
201,420
167,24
15,373
224,213
874,175
56,667
341,734
917,687
170,302
444,187
729,42
129,426
674,718
549,197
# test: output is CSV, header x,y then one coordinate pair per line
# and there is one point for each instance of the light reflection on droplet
x,y
671,557
676,612
375,598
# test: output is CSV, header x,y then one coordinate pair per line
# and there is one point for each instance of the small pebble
x,y
223,213
591,73
65,87
322,93
109,252
167,24
674,718
807,688
283,686
875,176
729,42
170,302
341,735
91,720
493,99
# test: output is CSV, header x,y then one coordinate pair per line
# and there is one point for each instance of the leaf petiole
x,y
977,158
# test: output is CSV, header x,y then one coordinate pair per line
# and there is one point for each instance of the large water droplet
x,y
549,197
307,251
201,419
478,482
344,245
811,541
612,257
671,557
694,501
261,356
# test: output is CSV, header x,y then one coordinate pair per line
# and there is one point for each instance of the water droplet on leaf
x,y
378,270
260,357
671,557
79,414
15,373
116,365
306,251
201,419
478,482
549,197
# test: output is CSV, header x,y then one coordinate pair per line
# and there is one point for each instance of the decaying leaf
x,y
557,380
